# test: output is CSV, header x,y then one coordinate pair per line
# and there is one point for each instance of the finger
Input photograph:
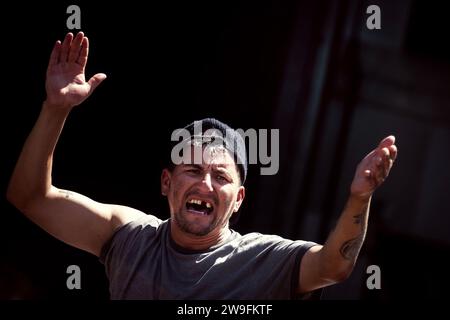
x,y
82,58
54,56
377,168
75,47
379,172
96,80
393,152
386,142
65,47
386,160
382,165
371,177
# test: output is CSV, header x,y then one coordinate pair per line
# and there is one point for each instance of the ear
x,y
165,182
240,198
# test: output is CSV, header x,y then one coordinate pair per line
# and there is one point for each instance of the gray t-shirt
x,y
143,262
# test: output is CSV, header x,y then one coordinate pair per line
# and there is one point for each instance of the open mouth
x,y
199,206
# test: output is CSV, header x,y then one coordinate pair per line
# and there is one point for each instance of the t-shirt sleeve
x,y
313,295
125,241
276,265
297,249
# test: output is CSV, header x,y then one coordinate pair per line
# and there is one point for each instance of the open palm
x,y
66,85
374,168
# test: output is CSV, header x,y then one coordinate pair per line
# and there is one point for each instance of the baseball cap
x,y
211,130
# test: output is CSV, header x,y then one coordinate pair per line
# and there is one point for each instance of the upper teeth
x,y
199,202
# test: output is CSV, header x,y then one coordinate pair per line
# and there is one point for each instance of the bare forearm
x,y
342,247
32,174
333,262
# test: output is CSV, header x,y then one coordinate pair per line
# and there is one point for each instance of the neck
x,y
194,242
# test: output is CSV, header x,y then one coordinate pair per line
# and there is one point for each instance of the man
x,y
194,254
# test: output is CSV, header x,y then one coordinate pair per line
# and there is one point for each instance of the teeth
x,y
196,201
199,202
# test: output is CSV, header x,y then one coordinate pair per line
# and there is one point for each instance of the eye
x,y
221,178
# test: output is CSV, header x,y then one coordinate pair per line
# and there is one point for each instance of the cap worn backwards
x,y
230,138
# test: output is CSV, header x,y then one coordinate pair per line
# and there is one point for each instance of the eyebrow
x,y
219,168
196,166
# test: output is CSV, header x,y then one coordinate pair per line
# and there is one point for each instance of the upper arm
x,y
78,220
310,277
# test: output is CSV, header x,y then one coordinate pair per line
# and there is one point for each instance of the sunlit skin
x,y
87,224
373,169
66,85
215,180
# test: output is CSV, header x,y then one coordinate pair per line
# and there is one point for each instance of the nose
x,y
207,183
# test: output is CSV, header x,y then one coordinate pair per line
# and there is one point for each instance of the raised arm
x,y
333,262
69,216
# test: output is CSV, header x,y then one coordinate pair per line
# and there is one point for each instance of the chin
x,y
197,231
198,228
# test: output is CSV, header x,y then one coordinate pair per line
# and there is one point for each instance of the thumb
x,y
96,80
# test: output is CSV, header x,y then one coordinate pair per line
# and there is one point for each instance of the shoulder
x,y
134,233
260,238
145,222
255,240
122,215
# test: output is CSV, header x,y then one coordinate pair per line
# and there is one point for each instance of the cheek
x,y
227,198
180,185
176,192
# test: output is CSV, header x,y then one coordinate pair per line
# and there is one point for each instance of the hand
x,y
374,169
65,84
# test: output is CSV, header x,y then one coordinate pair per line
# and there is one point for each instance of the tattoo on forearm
x,y
349,250
67,194
360,218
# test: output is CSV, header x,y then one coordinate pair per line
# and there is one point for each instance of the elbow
x,y
11,195
337,274
15,197
343,275
334,268
340,274
18,197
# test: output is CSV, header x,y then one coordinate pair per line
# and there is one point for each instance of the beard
x,y
192,227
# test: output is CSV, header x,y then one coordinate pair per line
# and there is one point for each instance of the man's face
x,y
202,197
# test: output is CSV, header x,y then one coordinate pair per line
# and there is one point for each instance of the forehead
x,y
209,155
